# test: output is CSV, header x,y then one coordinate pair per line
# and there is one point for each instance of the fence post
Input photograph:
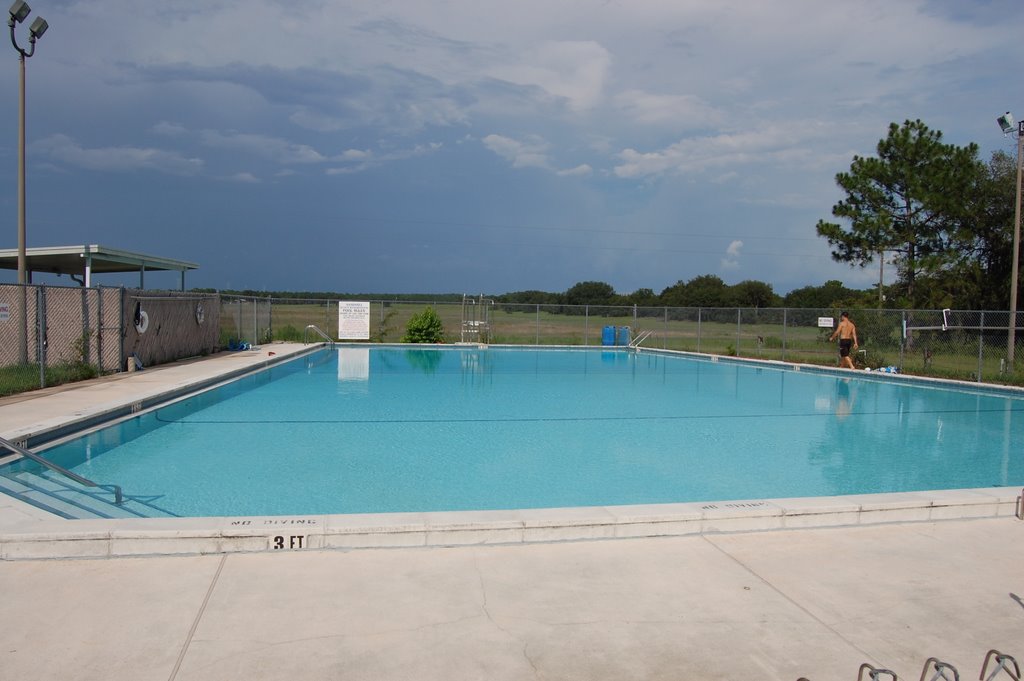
x,y
99,328
23,324
664,336
86,341
903,337
120,326
785,310
538,323
698,328
981,344
739,318
41,334
586,325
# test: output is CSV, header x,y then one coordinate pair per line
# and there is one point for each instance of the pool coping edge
x,y
62,539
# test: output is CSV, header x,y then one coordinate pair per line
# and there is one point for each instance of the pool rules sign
x,y
353,320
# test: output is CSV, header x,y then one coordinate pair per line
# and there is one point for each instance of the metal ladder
x,y
476,319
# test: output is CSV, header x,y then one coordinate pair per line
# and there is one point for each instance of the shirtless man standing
x,y
847,333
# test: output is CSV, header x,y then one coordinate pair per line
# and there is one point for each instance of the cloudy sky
x,y
484,147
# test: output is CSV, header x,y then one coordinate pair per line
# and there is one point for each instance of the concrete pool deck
x,y
27,532
719,601
813,603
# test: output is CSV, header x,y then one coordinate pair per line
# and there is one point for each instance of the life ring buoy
x,y
200,313
142,321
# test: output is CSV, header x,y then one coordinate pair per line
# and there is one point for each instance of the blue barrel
x,y
624,335
608,335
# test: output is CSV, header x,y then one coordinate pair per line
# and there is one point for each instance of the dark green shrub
x,y
425,327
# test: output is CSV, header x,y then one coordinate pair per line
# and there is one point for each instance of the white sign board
x,y
353,320
826,322
5,312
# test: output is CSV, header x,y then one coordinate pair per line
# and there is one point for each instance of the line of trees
x,y
706,290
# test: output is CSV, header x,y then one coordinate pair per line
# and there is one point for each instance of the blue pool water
x,y
395,429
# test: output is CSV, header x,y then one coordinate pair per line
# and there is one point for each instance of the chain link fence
x,y
965,345
50,335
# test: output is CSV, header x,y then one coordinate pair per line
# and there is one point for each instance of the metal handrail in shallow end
x,y
319,332
640,339
17,449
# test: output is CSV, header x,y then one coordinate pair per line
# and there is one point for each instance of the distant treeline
x,y
333,295
704,291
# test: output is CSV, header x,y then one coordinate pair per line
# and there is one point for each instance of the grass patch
x,y
19,378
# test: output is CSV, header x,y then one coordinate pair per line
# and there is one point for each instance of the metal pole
x,y
22,265
1011,338
22,259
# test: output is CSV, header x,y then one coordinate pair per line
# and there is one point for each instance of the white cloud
x,y
361,159
579,171
531,153
66,150
681,111
573,70
245,178
786,143
314,120
265,146
355,155
731,261
168,128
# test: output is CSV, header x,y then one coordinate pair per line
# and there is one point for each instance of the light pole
x,y
1006,123
18,13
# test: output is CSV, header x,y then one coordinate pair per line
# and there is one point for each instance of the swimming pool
x,y
358,430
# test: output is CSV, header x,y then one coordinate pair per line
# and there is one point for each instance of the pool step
x,y
55,494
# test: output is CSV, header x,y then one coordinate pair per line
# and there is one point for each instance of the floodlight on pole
x,y
18,12
1006,124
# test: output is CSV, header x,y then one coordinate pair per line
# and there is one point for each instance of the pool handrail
x,y
116,489
640,338
319,332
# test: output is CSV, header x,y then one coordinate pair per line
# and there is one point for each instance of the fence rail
x,y
52,334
